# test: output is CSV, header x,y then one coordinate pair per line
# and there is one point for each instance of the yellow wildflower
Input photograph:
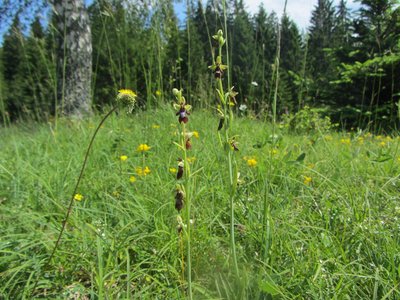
x,y
360,140
143,148
132,179
123,157
251,162
128,98
274,151
196,134
345,141
139,171
191,159
172,170
158,93
155,126
78,197
127,92
307,180
382,144
146,170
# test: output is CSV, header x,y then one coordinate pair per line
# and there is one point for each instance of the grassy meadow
x,y
316,213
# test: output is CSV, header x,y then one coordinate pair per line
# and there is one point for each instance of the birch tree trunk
x,y
74,61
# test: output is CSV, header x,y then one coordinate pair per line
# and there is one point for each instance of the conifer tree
x,y
321,39
290,63
12,60
243,51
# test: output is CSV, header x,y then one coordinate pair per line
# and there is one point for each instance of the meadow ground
x,y
317,214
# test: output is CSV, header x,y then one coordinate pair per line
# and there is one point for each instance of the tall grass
x,y
333,236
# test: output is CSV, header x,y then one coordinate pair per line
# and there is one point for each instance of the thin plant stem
x,y
187,213
226,42
266,210
228,115
71,202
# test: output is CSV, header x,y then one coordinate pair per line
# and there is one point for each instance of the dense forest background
x,y
347,63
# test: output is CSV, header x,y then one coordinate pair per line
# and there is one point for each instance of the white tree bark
x,y
74,70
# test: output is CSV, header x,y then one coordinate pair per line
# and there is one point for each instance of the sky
x,y
298,10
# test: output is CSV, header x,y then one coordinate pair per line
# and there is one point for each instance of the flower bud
x,y
175,91
221,41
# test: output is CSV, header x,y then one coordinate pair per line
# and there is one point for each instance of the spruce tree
x,y
321,39
290,64
12,58
243,51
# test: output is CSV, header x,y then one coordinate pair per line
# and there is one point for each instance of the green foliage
x,y
332,209
308,120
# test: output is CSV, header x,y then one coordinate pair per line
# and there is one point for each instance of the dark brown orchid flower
x,y
188,144
179,174
179,200
218,68
234,146
183,112
220,124
218,72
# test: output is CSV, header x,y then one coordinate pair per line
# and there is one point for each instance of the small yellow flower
x,y
139,171
173,170
158,93
155,126
143,148
142,171
146,170
127,92
132,179
123,157
78,197
274,151
360,140
345,141
382,144
307,180
191,159
251,162
196,134
128,98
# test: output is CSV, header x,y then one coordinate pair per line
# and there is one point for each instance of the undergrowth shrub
x,y
308,120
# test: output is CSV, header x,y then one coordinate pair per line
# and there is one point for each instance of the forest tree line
x,y
347,63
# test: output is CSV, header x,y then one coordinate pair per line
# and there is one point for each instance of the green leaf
x,y
269,287
301,157
383,158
